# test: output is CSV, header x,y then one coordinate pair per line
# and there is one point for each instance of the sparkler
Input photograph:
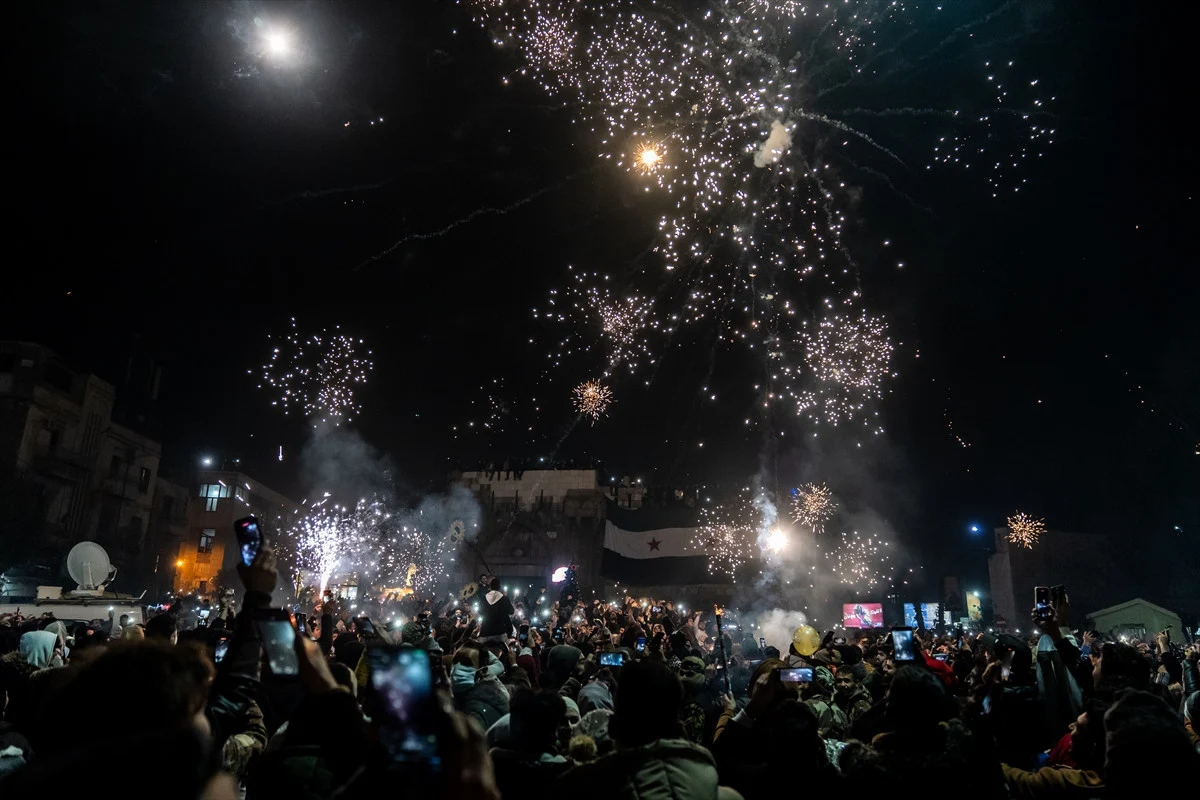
x,y
592,399
318,374
813,506
1025,530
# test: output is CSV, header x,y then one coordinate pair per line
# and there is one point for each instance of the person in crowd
x,y
529,763
850,695
1084,779
474,680
831,720
497,615
652,759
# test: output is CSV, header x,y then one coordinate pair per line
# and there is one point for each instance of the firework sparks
x,y
592,399
589,310
726,536
747,98
331,538
318,374
847,359
1025,530
861,560
813,506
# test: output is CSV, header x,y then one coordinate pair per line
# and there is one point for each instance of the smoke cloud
x,y
778,142
339,461
777,625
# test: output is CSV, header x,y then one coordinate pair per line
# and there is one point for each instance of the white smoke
x,y
777,626
778,142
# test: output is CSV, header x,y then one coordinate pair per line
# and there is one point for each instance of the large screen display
x,y
862,615
929,614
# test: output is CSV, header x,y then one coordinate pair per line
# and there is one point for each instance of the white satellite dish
x,y
88,566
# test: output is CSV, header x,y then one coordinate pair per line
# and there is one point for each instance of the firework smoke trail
x,y
479,212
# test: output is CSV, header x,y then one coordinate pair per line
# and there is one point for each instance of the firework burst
x,y
318,375
592,399
736,115
726,535
813,506
333,539
1025,530
861,560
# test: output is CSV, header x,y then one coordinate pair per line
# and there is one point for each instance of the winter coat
x,y
486,701
667,769
497,617
1050,782
855,704
527,776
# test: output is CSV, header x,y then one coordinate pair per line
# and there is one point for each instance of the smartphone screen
x,y
796,675
407,707
1041,597
612,659
222,649
941,656
278,638
204,612
1006,665
762,643
301,623
641,644
248,538
902,643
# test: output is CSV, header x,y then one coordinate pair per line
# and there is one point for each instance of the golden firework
x,y
592,399
648,158
1025,530
813,506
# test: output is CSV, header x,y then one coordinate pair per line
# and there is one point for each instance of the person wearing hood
x,y
652,762
526,766
831,720
497,617
475,684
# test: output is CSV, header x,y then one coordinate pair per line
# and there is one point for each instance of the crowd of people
x,y
633,699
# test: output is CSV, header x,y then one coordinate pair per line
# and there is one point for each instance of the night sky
x,y
178,198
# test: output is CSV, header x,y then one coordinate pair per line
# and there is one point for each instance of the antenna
x,y
88,566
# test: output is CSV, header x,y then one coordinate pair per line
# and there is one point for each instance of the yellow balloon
x,y
806,640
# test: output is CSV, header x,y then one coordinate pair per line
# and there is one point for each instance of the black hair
x,y
534,720
494,584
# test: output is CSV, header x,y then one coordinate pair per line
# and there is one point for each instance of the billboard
x,y
862,615
929,615
974,607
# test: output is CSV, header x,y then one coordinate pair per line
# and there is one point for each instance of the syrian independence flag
x,y
654,547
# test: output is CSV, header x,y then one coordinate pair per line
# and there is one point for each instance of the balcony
x,y
61,462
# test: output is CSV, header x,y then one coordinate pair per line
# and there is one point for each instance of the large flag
x,y
653,547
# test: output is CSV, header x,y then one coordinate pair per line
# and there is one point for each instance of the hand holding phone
x,y
902,646
249,538
405,704
274,626
795,674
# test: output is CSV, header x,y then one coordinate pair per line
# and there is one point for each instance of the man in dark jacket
x,y
496,622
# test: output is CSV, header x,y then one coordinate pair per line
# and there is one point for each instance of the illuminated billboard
x,y
862,615
929,615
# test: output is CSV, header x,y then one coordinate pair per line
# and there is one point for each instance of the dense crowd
x,y
633,699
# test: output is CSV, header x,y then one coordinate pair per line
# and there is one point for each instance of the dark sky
x,y
178,199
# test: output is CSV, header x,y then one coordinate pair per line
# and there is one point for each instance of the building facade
x,y
1083,563
1137,619
94,478
535,521
208,544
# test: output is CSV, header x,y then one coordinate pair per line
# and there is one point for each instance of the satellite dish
x,y
88,566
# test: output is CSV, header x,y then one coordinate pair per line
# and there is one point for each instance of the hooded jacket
x,y
497,617
667,769
486,701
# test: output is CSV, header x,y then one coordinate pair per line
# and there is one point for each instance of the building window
x,y
114,467
211,492
210,504
203,587
207,537
144,480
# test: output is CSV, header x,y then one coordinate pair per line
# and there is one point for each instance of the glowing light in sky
x,y
278,43
320,374
1025,530
592,399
